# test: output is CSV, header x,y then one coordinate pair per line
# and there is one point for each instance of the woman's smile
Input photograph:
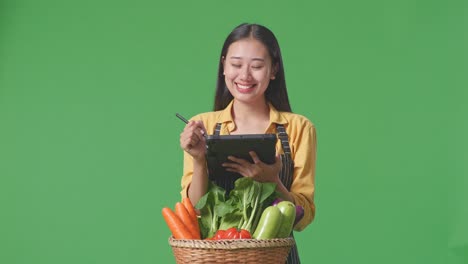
x,y
245,88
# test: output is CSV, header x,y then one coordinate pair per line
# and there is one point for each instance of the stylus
x,y
186,122
182,118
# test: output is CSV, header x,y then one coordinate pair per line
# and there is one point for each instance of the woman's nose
x,y
245,73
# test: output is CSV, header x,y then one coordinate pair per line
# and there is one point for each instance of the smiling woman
x,y
248,70
251,98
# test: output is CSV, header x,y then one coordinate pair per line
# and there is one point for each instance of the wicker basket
x,y
268,251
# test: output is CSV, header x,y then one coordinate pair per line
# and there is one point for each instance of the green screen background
x,y
89,144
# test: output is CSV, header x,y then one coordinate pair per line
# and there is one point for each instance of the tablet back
x,y
221,146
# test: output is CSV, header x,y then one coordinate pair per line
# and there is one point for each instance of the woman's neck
x,y
246,112
251,118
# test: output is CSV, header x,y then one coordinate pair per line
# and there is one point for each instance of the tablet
x,y
221,146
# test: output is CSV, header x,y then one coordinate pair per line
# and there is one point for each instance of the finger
x,y
201,126
238,171
190,131
203,141
187,145
278,159
192,128
183,140
185,137
196,126
234,167
194,139
243,162
255,158
189,125
192,142
231,165
197,133
191,137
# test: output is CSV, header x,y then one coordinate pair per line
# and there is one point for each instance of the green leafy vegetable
x,y
208,209
242,209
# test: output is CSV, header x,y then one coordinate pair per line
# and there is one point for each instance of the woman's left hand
x,y
257,170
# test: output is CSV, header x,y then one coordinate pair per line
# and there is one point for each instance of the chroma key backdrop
x,y
89,140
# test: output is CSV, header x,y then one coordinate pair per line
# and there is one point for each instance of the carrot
x,y
187,220
188,205
193,214
177,227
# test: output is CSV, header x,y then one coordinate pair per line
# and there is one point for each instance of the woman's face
x,y
248,70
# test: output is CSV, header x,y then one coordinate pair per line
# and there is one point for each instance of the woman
x,y
251,98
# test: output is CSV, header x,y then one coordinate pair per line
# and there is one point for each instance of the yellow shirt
x,y
302,141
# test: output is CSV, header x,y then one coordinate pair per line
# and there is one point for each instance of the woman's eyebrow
x,y
238,58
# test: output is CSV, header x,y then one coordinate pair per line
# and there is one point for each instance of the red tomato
x,y
244,234
234,233
220,234
231,233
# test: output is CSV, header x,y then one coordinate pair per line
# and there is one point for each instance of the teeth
x,y
245,86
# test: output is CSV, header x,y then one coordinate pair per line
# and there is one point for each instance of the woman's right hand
x,y
192,140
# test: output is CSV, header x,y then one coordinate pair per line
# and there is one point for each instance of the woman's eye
x,y
257,67
236,65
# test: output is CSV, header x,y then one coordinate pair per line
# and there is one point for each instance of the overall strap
x,y
226,182
217,129
287,170
284,139
286,176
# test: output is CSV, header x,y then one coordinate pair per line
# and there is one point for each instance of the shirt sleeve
x,y
187,174
303,185
188,167
188,160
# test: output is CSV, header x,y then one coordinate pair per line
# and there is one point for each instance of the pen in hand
x,y
186,122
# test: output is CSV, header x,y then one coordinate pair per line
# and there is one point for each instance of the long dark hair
x,y
276,92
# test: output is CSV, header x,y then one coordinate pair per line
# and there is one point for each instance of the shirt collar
x,y
226,115
275,115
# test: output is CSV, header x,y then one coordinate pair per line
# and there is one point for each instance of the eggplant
x,y
299,214
277,201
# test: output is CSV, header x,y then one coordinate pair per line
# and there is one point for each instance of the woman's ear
x,y
274,71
